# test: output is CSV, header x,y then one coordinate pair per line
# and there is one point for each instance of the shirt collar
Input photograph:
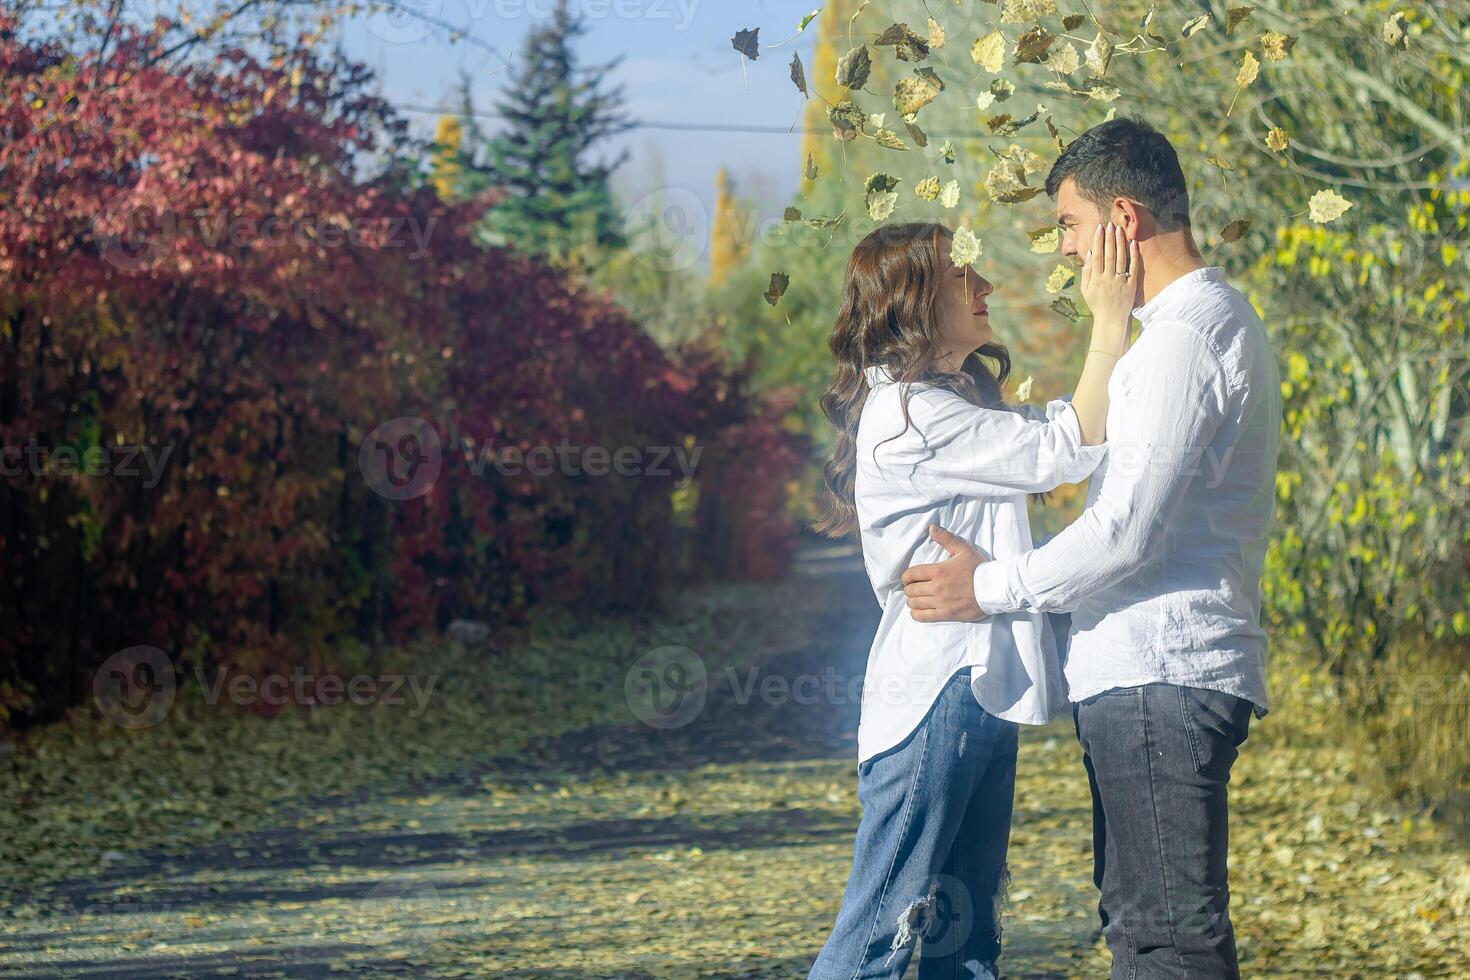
x,y
876,375
1210,273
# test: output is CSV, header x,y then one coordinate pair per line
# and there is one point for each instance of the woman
x,y
922,437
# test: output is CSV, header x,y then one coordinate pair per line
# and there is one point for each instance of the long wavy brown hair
x,y
888,318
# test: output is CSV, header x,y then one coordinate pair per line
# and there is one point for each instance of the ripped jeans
x,y
929,862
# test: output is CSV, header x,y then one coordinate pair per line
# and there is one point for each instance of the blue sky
x,y
678,67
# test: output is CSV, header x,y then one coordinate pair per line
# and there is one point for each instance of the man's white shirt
x,y
1162,571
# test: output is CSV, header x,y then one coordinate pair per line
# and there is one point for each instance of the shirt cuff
x,y
991,591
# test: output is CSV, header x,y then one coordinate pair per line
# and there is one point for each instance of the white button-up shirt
x,y
1162,572
967,469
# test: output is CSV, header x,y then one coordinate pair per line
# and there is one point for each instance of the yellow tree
x,y
816,142
447,168
727,246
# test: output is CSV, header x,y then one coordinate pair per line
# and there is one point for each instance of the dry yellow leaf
x,y
1249,69
989,52
1326,206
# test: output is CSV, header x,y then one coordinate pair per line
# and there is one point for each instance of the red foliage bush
x,y
193,262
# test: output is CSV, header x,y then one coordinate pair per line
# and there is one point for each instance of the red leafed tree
x,y
194,261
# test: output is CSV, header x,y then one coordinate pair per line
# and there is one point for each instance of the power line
x,y
682,127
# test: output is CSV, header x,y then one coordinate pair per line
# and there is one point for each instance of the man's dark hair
x,y
1126,157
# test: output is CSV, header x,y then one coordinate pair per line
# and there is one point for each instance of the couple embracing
x,y
1165,666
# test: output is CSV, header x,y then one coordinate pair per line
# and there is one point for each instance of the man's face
x,y
1078,218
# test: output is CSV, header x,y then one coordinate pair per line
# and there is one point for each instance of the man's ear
x,y
1128,215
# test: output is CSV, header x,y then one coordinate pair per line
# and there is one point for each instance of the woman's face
x,y
964,318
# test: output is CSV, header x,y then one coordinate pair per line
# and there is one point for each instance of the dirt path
x,y
714,848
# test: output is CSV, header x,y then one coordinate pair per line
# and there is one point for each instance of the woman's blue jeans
x,y
930,858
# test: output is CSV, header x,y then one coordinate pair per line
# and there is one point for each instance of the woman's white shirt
x,y
967,469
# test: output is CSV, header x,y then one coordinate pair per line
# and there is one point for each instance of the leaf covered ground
x,y
461,846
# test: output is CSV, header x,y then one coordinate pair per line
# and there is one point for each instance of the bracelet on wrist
x,y
1105,353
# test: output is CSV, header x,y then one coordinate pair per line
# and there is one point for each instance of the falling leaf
x,y
916,134
936,34
1147,18
984,100
1234,231
1006,183
946,153
1249,69
1396,31
1103,93
881,196
798,75
1032,46
950,196
847,120
888,139
1194,26
1235,15
1277,139
907,45
1073,21
996,123
1045,239
880,182
1064,60
811,168
1023,390
913,93
1275,46
1061,277
1067,308
854,67
965,247
1216,160
1326,206
877,119
1026,11
927,189
779,282
989,52
747,42
806,21
882,204
1099,55
791,214
1001,89
1056,136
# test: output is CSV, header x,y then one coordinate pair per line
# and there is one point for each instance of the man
x,y
1161,572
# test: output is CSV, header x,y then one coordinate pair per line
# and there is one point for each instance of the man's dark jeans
x,y
1158,760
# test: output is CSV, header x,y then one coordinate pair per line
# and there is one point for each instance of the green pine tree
x,y
558,199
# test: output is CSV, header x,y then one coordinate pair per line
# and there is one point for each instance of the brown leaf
x,y
779,284
907,45
747,42
1235,230
798,75
854,68
847,120
1032,46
